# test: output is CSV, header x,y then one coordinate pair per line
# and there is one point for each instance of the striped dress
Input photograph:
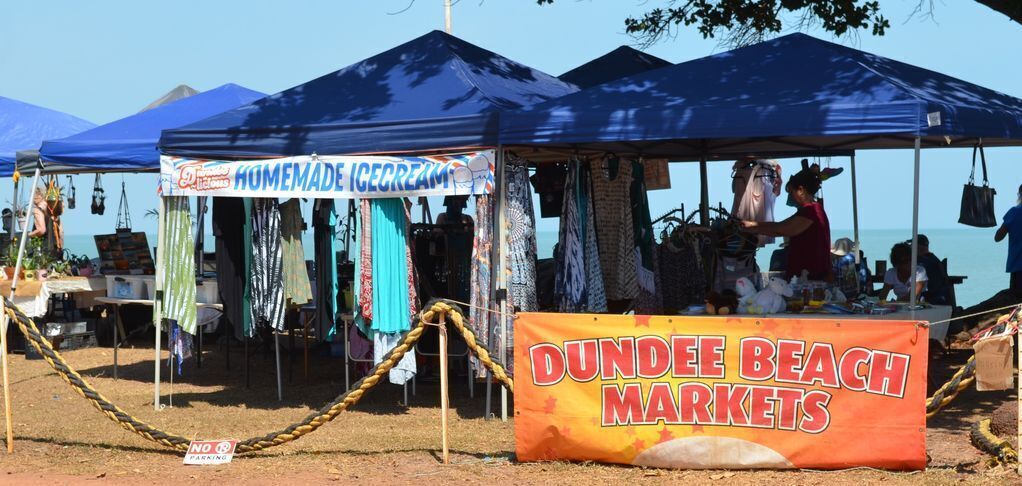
x,y
267,265
179,264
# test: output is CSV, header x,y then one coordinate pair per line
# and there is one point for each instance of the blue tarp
x,y
434,92
24,127
793,93
130,143
616,64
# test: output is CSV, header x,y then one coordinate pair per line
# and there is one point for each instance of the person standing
x,y
1012,228
808,231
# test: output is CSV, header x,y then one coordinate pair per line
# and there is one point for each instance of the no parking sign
x,y
208,452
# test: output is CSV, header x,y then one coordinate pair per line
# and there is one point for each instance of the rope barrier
x,y
290,433
947,392
986,441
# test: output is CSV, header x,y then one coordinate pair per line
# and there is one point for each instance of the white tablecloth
x,y
936,313
35,306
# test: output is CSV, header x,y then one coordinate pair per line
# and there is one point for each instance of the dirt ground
x,y
60,438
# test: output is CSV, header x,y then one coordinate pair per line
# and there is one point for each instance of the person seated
x,y
938,287
846,274
900,278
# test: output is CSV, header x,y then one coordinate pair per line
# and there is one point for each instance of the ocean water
x,y
971,252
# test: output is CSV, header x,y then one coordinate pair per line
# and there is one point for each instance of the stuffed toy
x,y
746,294
721,304
771,299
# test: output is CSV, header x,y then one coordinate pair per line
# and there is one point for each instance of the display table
x,y
937,313
119,326
32,296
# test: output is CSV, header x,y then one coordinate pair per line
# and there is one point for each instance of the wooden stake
x,y
1018,395
4,321
444,403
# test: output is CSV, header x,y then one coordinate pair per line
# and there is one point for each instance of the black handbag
x,y
978,201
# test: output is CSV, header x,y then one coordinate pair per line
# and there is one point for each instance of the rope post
x,y
444,400
7,381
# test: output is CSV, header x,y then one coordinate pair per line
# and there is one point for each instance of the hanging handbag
x,y
978,201
71,196
98,197
123,213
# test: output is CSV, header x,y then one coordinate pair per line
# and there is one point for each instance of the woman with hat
x,y
808,230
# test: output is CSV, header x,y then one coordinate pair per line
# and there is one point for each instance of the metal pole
x,y
161,259
913,298
855,212
447,16
502,273
276,348
24,236
704,191
200,230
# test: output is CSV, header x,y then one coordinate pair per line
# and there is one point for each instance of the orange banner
x,y
709,392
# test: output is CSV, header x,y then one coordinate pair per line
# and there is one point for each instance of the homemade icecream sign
x,y
330,176
707,392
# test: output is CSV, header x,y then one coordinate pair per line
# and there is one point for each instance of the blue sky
x,y
103,60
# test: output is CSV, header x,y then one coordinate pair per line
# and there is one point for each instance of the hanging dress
x,y
228,222
179,272
297,288
755,185
390,303
521,236
324,224
611,183
479,319
267,265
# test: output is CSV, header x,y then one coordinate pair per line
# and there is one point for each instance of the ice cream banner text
x,y
330,176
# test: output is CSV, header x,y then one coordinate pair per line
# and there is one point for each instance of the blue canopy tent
x,y
794,95
436,92
616,64
24,126
129,144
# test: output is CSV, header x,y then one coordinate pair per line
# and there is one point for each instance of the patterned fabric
x,y
178,273
297,289
570,282
682,280
482,245
650,300
578,283
413,296
611,180
365,255
521,228
267,265
596,296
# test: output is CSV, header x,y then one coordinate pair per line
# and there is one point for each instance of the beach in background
x,y
971,252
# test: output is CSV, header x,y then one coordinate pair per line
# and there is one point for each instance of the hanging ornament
x,y
123,214
98,197
71,195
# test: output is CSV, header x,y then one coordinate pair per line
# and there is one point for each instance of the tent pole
x,y
913,298
161,260
704,191
24,235
855,212
502,273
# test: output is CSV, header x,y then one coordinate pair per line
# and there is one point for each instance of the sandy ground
x,y
61,439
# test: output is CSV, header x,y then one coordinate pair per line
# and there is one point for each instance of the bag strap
x,y
983,160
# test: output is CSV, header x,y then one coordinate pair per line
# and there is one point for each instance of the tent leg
x,y
24,237
161,260
913,298
704,192
855,212
248,376
276,349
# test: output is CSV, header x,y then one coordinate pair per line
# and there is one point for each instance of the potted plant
x,y
81,265
28,264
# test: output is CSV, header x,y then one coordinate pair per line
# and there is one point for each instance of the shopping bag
x,y
994,363
978,201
